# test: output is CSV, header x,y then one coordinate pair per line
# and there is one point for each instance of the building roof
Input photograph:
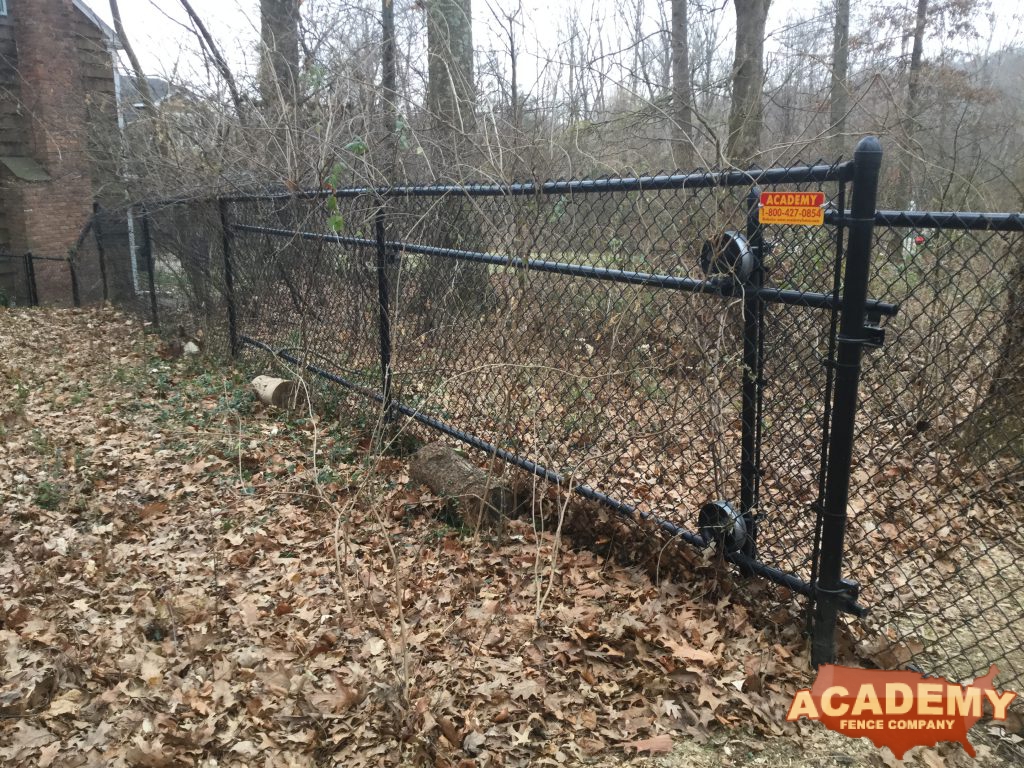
x,y
103,27
25,168
160,88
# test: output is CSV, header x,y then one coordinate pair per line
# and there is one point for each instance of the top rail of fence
x,y
949,220
793,175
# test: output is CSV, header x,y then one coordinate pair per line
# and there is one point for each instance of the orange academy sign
x,y
800,208
899,710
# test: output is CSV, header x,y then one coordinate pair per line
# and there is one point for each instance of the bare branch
x,y
141,83
218,59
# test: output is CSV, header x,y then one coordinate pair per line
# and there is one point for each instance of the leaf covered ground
x,y
188,578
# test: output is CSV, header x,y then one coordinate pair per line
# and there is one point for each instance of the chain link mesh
x,y
936,488
513,318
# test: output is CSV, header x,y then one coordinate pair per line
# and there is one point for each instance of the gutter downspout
x,y
132,248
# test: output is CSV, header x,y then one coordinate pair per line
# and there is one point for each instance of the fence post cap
x,y
869,145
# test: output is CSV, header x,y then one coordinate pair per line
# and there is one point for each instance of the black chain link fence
x,y
937,487
17,280
162,261
30,279
608,335
648,343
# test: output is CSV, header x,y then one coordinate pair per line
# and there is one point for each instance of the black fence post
x,y
76,297
229,277
76,294
30,281
831,589
97,231
147,251
753,376
384,305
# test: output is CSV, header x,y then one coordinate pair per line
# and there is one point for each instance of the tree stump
x,y
274,391
485,500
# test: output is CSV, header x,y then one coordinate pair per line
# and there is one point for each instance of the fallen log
x,y
274,391
485,501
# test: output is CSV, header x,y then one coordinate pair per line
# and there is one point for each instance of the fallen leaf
x,y
473,743
152,671
47,754
687,652
250,613
526,689
68,703
335,702
707,695
449,730
656,744
374,646
246,748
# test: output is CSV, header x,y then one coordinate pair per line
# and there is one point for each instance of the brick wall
x,y
12,143
58,95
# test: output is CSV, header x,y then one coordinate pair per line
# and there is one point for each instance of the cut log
x,y
484,499
272,391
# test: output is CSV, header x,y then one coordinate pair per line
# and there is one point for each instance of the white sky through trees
x,y
157,28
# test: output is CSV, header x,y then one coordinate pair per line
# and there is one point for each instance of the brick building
x,y
58,126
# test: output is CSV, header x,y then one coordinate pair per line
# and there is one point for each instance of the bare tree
x,y
510,22
141,83
279,53
909,124
839,95
746,114
389,88
211,49
506,134
451,97
682,92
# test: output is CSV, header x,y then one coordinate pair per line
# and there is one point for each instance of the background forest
x,y
374,93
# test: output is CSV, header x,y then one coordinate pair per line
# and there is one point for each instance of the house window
x,y
3,7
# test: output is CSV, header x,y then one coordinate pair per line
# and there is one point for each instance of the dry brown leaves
x,y
171,593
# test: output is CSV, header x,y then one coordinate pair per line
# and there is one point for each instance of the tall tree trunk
x,y
746,114
279,51
682,93
909,126
446,286
513,60
389,90
450,89
839,94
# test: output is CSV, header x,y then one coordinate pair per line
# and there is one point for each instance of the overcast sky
x,y
157,28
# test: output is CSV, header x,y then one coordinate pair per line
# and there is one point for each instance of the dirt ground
x,y
188,578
